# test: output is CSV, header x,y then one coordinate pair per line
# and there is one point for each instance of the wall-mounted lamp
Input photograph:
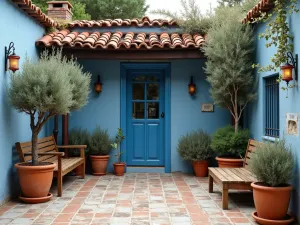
x,y
287,69
98,85
11,58
192,87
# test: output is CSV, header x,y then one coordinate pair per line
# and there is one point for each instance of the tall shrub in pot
x,y
230,146
50,86
195,147
99,149
119,167
272,164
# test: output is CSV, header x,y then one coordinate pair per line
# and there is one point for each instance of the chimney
x,y
61,10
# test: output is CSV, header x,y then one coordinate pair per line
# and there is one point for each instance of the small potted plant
x,y
119,167
230,146
43,89
99,149
195,147
78,136
272,164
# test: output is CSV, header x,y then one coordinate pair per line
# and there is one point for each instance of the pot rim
x,y
20,166
255,185
120,164
228,159
200,161
100,156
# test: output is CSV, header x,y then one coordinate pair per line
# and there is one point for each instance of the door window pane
x,y
153,110
138,91
139,78
153,91
138,110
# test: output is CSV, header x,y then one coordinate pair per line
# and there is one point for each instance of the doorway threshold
x,y
145,169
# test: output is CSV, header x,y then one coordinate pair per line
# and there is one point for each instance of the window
x,y
272,107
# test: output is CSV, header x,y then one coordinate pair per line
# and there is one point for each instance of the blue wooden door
x,y
145,118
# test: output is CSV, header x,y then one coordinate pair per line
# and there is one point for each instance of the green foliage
x,y
50,86
195,146
190,18
116,9
116,145
229,52
78,136
227,142
278,34
78,10
100,142
273,163
230,3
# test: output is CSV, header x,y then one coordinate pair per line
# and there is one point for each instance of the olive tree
x,y
47,87
229,52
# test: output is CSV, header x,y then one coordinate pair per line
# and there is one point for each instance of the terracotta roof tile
x,y
35,12
262,6
145,21
119,40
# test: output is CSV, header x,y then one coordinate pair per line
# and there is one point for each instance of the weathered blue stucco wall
x,y
255,112
186,115
16,26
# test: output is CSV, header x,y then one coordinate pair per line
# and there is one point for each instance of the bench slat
x,y
40,140
231,173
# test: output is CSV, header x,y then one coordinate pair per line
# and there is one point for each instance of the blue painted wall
x,y
186,115
255,112
16,26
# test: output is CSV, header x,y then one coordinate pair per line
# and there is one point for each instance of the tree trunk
x,y
236,125
34,143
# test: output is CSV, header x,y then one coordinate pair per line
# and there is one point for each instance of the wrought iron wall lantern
x,y
287,69
98,86
192,87
11,58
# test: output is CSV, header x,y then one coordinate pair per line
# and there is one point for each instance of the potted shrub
x,y
50,86
230,146
195,147
99,149
119,167
78,136
272,164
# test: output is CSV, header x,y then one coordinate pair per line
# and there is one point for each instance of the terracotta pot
x,y
200,168
119,169
99,164
229,162
35,181
271,202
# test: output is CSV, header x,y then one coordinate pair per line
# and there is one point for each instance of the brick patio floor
x,y
136,199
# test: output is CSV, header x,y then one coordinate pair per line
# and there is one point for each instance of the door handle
x,y
162,115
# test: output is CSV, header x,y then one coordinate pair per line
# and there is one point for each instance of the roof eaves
x,y
35,12
263,6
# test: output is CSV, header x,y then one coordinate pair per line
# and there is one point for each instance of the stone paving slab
x,y
134,199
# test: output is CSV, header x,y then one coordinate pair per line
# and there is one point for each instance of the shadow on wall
x,y
295,198
13,184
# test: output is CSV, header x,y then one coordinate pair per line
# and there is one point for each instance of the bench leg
x,y
59,184
210,184
83,170
225,198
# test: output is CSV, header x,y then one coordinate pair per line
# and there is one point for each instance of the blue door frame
x,y
126,68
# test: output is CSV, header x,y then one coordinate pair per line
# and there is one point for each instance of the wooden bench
x,y
233,178
48,152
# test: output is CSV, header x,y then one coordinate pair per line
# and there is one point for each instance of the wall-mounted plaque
x,y
207,107
292,124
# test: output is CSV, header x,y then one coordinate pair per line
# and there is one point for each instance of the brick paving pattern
x,y
135,199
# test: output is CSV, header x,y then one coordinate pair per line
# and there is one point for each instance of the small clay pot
x,y
200,168
99,164
35,181
271,202
224,162
119,169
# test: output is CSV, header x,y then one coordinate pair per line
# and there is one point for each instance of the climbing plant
x,y
278,33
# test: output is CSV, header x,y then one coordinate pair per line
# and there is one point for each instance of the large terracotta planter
x,y
229,162
200,168
35,181
119,169
99,164
271,202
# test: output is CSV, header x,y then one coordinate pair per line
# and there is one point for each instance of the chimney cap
x,y
60,2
